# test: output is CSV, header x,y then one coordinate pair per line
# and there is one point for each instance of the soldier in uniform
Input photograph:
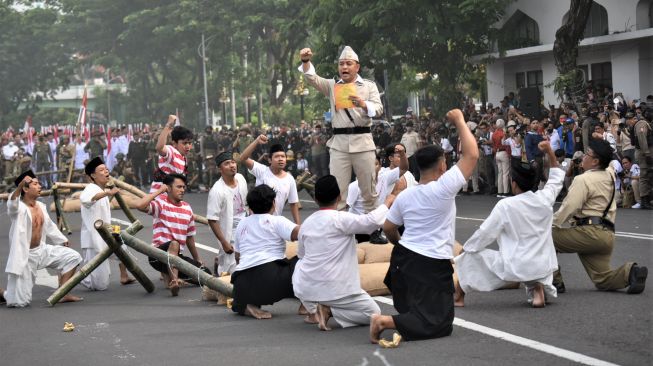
x,y
642,139
209,150
96,146
65,153
137,155
43,157
240,144
591,207
352,145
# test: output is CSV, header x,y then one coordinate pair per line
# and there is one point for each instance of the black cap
x,y
27,173
326,189
91,165
224,156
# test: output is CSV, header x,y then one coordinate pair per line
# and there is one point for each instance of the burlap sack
x,y
376,253
372,275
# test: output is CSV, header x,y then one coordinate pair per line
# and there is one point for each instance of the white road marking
x,y
623,234
539,346
207,248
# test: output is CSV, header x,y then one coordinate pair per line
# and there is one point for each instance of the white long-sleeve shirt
x,y
328,265
521,226
20,234
92,211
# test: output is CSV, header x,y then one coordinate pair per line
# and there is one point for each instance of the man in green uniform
x,y
591,208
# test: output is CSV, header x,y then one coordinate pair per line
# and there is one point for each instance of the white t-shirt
x,y
262,239
429,214
239,206
385,182
285,187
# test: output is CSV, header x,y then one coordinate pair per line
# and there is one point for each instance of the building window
x,y
602,74
535,79
518,32
520,80
597,22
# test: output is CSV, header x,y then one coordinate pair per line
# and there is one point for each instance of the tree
x,y
437,38
33,59
565,49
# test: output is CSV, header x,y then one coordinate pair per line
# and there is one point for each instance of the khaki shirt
x,y
367,91
588,195
641,133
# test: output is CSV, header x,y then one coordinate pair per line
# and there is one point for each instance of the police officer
x,y
591,208
642,138
352,145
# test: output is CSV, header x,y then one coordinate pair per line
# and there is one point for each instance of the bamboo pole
x,y
66,185
86,269
125,207
45,193
137,192
188,269
122,254
63,225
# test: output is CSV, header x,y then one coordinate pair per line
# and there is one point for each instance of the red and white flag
x,y
28,130
81,119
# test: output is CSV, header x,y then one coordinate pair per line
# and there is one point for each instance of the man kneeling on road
x,y
173,229
30,227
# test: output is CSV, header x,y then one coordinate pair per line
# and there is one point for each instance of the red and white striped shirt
x,y
172,162
171,222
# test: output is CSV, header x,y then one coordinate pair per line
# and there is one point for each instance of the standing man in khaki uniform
x,y
352,145
641,136
591,207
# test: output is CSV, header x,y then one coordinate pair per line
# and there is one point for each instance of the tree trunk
x,y
565,47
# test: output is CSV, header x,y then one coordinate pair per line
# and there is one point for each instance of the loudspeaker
x,y
529,102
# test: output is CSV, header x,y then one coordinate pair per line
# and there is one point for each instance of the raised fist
x,y
305,54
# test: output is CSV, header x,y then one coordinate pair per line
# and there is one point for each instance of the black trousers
x,y
264,284
163,267
422,290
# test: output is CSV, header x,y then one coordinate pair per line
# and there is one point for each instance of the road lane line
x,y
539,346
623,234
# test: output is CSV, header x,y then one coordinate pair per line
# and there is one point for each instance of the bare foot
x,y
323,316
311,319
256,312
302,310
376,328
538,296
174,287
458,297
127,281
71,298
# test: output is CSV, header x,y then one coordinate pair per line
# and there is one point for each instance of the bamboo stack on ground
x,y
184,267
121,253
89,267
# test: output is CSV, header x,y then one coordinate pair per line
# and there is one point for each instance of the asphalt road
x,y
126,326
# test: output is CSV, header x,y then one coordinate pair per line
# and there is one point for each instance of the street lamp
x,y
301,90
224,99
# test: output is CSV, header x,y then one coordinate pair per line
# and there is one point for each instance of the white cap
x,y
348,54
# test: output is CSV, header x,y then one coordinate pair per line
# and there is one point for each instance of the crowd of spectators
x,y
504,133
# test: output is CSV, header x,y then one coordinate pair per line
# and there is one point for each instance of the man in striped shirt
x,y
172,158
173,227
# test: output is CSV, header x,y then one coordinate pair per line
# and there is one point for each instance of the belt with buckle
x,y
351,130
593,220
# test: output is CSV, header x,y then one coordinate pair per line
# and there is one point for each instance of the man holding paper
x,y
354,102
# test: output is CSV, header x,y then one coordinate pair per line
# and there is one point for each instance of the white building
x,y
617,50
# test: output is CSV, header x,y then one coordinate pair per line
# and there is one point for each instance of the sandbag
x,y
371,276
376,253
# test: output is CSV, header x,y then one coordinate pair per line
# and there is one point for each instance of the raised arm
x,y
403,160
469,157
163,136
245,155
